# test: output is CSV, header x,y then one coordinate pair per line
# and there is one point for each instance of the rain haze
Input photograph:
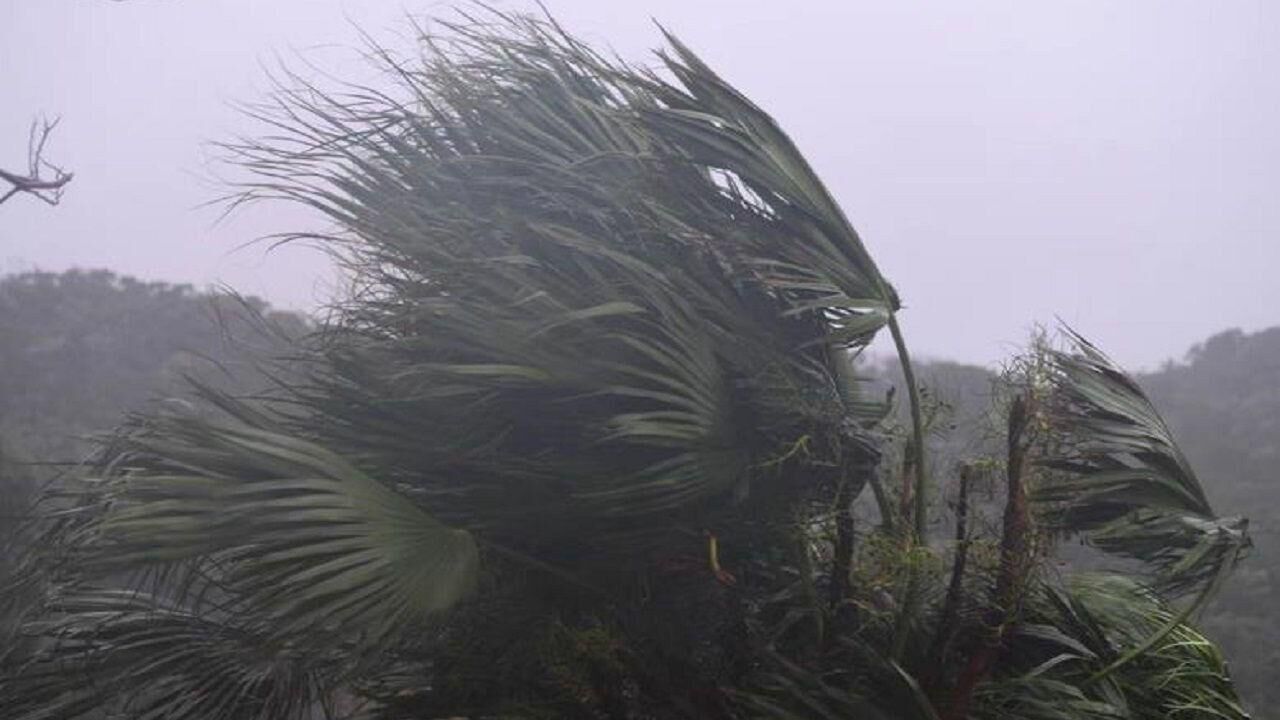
x,y
1112,164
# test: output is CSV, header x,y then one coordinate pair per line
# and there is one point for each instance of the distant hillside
x,y
79,348
1223,403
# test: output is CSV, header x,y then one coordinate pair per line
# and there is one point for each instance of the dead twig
x,y
37,182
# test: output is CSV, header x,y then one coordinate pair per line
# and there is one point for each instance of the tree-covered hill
x,y
79,348
1223,401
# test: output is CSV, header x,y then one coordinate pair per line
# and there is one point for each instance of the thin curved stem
x,y
911,603
917,433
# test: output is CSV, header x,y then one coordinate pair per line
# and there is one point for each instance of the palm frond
x,y
1053,664
822,263
784,690
303,538
533,233
126,652
1122,481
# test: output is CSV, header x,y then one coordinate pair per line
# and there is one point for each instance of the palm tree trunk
x,y
1015,544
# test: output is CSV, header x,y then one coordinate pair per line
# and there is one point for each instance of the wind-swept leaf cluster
x,y
1124,482
586,440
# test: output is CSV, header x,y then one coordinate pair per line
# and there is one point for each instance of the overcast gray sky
x,y
1114,163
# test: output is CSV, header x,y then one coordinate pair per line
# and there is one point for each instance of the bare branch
x,y
43,179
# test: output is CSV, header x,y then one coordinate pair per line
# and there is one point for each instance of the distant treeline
x,y
78,348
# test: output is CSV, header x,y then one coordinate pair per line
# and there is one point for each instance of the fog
x,y
1112,164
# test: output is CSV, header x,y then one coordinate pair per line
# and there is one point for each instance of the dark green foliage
x,y
1125,481
1072,633
18,491
586,443
1221,403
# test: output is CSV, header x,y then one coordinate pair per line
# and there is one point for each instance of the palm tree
x,y
586,441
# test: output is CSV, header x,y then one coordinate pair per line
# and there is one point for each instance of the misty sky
x,y
1113,163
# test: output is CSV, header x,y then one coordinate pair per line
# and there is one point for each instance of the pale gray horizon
x,y
1111,164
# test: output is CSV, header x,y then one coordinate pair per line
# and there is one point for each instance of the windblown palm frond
x,y
824,265
540,240
579,342
274,563
307,540
1123,481
1073,632
128,653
